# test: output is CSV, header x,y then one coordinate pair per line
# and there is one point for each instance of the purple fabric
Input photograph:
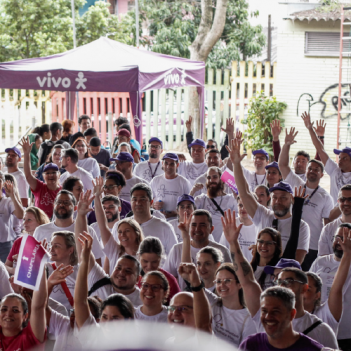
x,y
260,342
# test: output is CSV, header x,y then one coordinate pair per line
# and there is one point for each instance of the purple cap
x,y
185,197
15,150
157,140
273,164
198,142
50,166
283,263
171,156
347,150
282,186
261,151
123,157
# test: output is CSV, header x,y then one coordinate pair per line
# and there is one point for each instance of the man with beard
x,y
70,164
169,186
317,206
64,206
326,267
282,199
216,201
148,170
326,240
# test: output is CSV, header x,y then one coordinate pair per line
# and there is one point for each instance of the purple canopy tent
x,y
106,65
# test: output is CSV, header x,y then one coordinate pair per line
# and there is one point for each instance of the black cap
x,y
95,141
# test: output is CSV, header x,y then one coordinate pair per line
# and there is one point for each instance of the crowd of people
x,y
166,240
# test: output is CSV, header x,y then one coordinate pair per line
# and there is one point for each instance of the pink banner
x,y
228,178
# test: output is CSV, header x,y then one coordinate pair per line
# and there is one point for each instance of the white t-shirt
x,y
317,208
22,185
337,178
325,267
325,243
302,176
191,171
264,218
160,317
224,202
323,313
142,170
5,287
125,192
45,231
203,179
83,175
247,237
104,292
155,227
268,282
254,179
322,333
168,190
7,232
90,165
175,258
233,326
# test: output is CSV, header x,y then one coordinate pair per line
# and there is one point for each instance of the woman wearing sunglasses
x,y
153,293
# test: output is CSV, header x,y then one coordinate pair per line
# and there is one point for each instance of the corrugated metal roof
x,y
318,15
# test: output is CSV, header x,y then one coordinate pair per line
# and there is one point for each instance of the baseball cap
x,y
346,150
198,142
261,151
283,263
185,197
15,150
123,157
52,166
281,186
157,140
171,156
124,132
273,164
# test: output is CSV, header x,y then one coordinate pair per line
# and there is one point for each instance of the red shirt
x,y
23,341
45,198
15,249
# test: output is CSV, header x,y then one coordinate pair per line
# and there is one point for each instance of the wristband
x,y
321,137
198,288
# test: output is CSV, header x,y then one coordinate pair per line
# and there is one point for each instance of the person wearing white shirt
x,y
317,206
191,170
325,244
326,267
148,170
12,160
169,186
216,201
282,199
70,164
124,164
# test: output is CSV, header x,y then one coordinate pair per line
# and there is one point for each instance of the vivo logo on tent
x,y
52,82
174,79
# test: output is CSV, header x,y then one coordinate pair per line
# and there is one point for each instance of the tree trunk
x,y
209,32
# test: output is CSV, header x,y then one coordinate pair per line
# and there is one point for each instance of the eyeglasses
x,y
110,187
64,203
338,237
181,309
344,199
224,281
287,282
268,243
50,173
154,147
210,146
140,199
154,287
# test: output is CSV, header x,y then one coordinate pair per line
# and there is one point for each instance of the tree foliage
x,y
263,110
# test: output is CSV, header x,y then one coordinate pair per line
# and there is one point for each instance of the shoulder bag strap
x,y
218,207
65,288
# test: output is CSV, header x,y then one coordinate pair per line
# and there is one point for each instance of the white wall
x,y
298,74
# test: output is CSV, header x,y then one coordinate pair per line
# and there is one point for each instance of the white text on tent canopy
x,y
52,82
175,79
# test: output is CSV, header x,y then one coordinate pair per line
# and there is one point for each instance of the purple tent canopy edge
x,y
106,65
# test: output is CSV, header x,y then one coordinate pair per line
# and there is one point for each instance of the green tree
x,y
263,110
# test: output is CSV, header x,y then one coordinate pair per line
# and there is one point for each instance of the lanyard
x,y
264,178
310,197
153,174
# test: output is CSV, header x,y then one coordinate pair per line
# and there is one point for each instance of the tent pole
x,y
74,45
137,23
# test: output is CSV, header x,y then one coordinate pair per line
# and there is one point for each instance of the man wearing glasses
x,y
148,170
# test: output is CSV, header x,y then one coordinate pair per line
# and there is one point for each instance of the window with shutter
x,y
325,44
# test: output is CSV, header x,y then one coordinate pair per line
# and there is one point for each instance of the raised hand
x,y
230,229
197,187
239,135
188,124
9,188
229,126
84,203
98,184
60,274
290,137
276,129
189,273
184,227
234,151
307,120
320,127
181,157
86,241
26,145
300,192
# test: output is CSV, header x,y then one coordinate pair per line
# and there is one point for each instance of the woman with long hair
x,y
85,160
68,127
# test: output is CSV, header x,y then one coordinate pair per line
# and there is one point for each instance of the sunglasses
x,y
210,146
